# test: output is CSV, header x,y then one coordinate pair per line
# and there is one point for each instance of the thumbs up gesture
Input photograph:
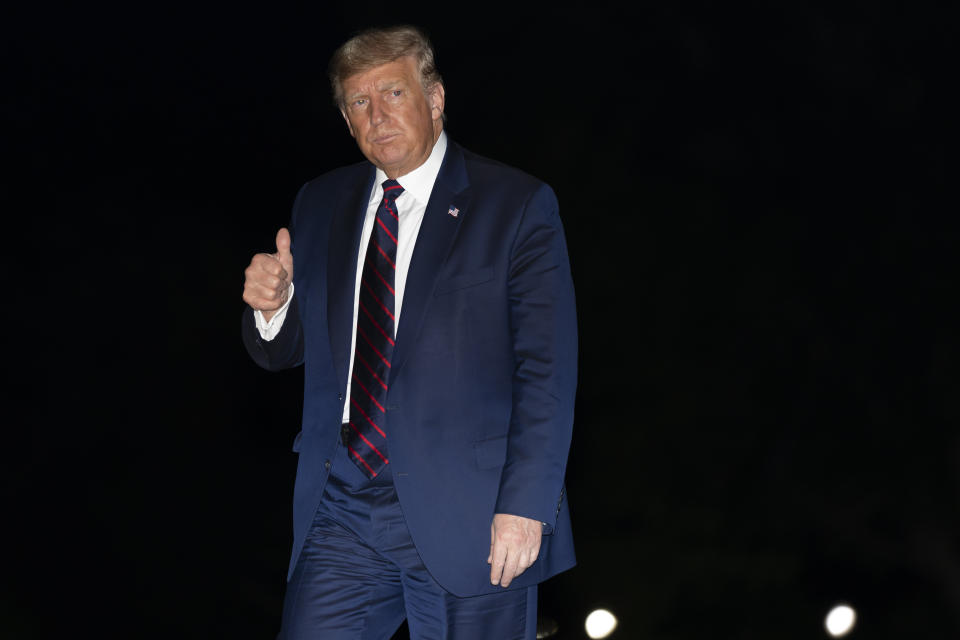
x,y
269,276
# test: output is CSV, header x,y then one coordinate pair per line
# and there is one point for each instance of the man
x,y
428,294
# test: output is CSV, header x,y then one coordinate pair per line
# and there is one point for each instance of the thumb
x,y
283,250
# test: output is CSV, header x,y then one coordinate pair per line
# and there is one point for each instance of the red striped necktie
x,y
366,438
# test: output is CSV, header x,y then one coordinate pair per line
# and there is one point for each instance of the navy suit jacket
x,y
480,406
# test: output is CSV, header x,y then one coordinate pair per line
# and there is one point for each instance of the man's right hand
x,y
269,276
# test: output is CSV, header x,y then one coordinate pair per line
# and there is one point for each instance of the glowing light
x,y
601,623
840,620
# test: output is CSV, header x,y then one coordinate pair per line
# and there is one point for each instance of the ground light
x,y
600,623
839,621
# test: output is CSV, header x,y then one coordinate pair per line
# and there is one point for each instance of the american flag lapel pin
x,y
453,211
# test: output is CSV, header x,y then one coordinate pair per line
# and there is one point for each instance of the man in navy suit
x,y
430,483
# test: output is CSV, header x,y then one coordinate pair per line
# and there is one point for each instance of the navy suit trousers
x,y
359,576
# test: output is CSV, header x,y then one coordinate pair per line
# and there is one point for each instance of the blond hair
x,y
374,47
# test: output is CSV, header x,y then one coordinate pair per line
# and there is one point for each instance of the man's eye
x,y
396,93
359,103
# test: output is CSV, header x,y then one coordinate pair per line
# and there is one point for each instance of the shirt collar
x,y
419,182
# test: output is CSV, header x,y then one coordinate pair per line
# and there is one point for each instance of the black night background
x,y
755,200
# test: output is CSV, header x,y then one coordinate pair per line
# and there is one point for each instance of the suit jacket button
x,y
326,464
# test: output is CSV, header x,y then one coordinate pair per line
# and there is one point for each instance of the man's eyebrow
x,y
385,85
388,84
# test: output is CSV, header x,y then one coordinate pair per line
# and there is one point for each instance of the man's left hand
x,y
514,546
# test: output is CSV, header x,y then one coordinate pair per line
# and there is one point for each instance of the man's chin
x,y
387,161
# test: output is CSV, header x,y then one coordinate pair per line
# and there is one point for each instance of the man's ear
x,y
349,126
436,96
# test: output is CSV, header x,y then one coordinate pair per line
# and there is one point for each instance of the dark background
x,y
762,240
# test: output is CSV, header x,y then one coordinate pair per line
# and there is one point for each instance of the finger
x,y
255,277
264,298
268,291
510,569
490,554
531,553
523,561
274,268
283,249
261,304
260,287
266,263
283,242
499,558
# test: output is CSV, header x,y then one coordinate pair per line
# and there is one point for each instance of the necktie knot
x,y
391,190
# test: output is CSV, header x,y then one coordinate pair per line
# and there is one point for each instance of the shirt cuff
x,y
269,329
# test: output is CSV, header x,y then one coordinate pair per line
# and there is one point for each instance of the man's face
x,y
393,120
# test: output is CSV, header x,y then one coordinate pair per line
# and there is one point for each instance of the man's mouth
x,y
386,138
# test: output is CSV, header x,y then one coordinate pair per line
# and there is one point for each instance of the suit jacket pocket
x,y
464,280
491,453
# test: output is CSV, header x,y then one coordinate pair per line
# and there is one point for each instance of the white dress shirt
x,y
411,205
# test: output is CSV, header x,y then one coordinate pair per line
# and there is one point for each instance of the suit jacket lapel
x,y
343,249
434,240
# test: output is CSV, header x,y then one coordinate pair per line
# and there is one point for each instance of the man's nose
x,y
377,113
